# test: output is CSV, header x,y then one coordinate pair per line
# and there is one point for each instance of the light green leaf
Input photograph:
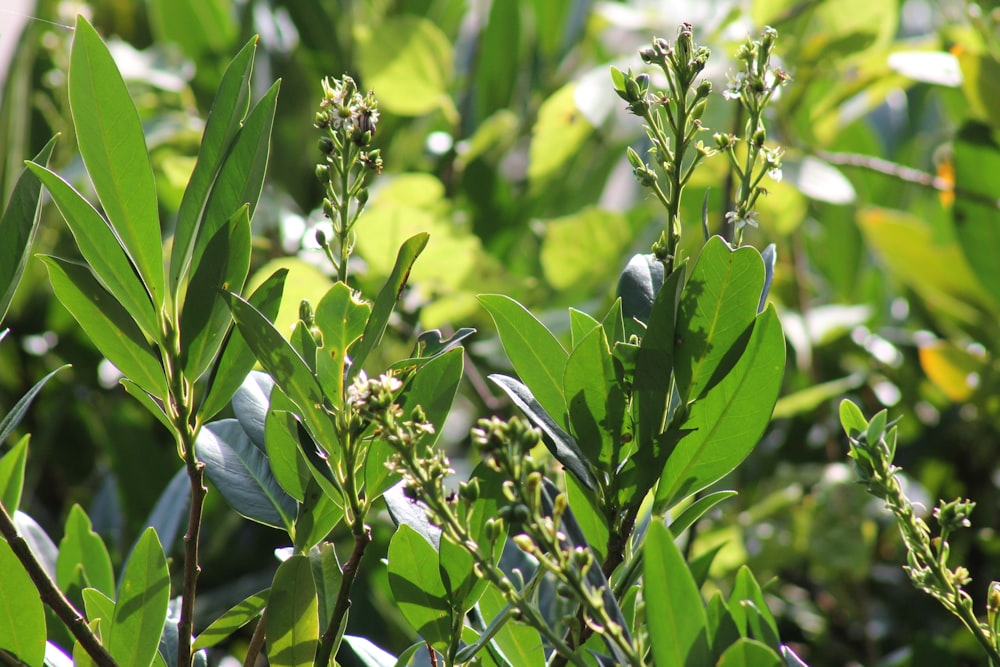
x,y
728,420
202,28
101,249
231,621
141,605
852,419
462,586
595,400
22,616
341,317
18,226
557,137
109,133
499,59
579,250
327,575
675,612
12,465
82,547
749,653
749,609
717,306
292,620
98,606
698,509
281,442
580,324
519,642
416,584
538,358
107,324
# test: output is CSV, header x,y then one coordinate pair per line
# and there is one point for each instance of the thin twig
x,y
185,626
51,595
256,641
361,542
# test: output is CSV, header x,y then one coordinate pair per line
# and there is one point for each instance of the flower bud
x,y
328,209
469,491
326,145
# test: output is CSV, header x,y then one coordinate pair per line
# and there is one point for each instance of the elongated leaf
x,y
638,285
152,406
770,256
98,606
580,324
12,465
251,403
386,300
232,101
237,358
319,513
102,250
595,400
368,654
292,620
562,445
231,621
749,653
206,319
16,414
520,643
698,509
417,588
750,612
22,616
718,303
408,512
39,542
675,612
107,324
282,447
109,133
342,318
327,575
243,475
538,358
977,155
141,606
81,546
18,226
722,630
728,421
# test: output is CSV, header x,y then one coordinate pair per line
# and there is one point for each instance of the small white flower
x,y
775,174
739,222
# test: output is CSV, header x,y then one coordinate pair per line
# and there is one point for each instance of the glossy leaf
x,y
749,610
675,612
638,285
698,509
368,654
251,403
16,414
107,324
241,472
81,546
386,300
749,653
141,605
205,319
18,226
595,400
717,305
588,515
341,317
728,421
231,621
282,447
237,358
416,585
562,445
12,465
319,513
538,358
111,141
327,575
852,419
232,101
520,643
100,247
39,542
22,616
407,512
292,620
146,400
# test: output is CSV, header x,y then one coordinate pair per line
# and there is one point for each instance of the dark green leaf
x,y
562,445
243,475
237,358
12,465
675,613
16,414
728,421
341,317
595,400
18,226
109,133
589,516
717,306
637,288
282,446
538,358
416,585
722,630
977,222
81,546
232,101
231,621
292,620
22,616
749,653
385,302
107,324
141,605
327,575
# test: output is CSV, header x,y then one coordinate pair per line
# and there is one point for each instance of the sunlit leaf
x,y
292,620
231,621
417,587
81,546
141,605
22,616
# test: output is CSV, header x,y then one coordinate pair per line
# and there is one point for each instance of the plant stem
x,y
344,233
185,626
51,595
256,641
361,541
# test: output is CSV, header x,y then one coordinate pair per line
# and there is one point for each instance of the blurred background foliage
x,y
502,137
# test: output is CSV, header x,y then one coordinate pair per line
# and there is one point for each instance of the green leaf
x,y
102,250
341,317
675,612
557,137
16,414
281,443
980,77
368,653
852,419
292,620
81,546
576,248
519,642
109,134
538,358
22,616
243,475
386,300
638,285
237,358
231,621
202,28
12,465
498,63
717,305
749,653
580,324
18,226
98,606
327,575
206,319
318,514
107,324
976,154
141,606
729,420
147,401
749,610
232,101
415,581
412,78
698,509
722,630
462,586
589,516
595,400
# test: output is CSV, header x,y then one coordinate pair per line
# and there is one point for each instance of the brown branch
x,y
256,641
361,541
185,626
51,595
